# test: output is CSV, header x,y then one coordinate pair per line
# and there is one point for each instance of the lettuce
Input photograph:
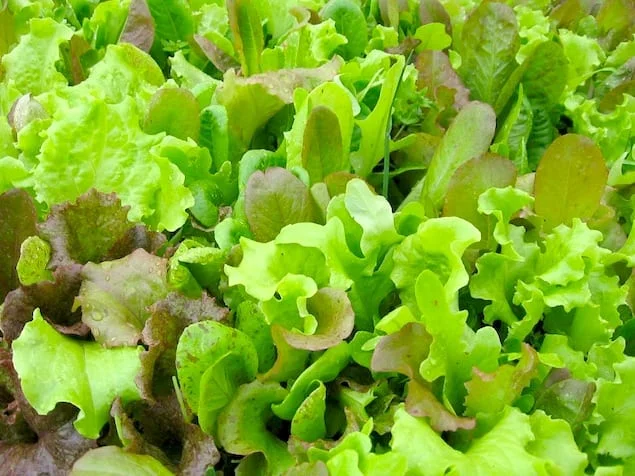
x,y
317,237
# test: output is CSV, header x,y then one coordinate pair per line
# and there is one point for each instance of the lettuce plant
x,y
345,237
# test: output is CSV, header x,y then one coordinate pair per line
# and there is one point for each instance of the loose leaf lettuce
x,y
569,184
115,295
489,43
116,461
17,223
92,375
468,137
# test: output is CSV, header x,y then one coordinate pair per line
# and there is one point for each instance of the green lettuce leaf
x,y
508,443
210,356
117,462
615,409
30,66
468,137
152,186
54,368
489,44
35,254
242,425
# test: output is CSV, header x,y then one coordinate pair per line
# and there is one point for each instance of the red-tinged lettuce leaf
x,y
489,44
336,182
115,296
131,439
435,72
117,462
73,54
570,180
221,60
18,219
402,351
491,392
433,11
54,298
168,319
564,397
322,148
137,237
468,183
242,426
273,199
421,402
139,27
335,319
161,424
181,447
199,452
616,21
87,229
468,137
53,454
173,111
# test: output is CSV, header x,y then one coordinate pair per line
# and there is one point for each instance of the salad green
x,y
345,237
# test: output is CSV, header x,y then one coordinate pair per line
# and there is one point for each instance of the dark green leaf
x,y
489,44
350,22
173,19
